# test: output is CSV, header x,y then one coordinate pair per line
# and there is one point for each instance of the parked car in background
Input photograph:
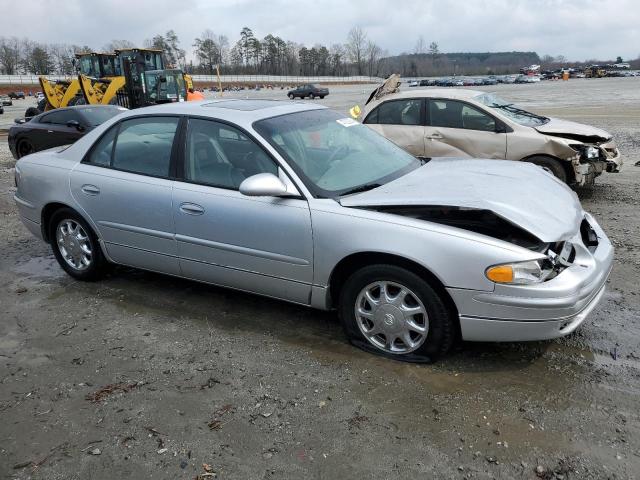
x,y
296,202
58,127
1,109
527,79
309,90
414,83
16,95
5,101
470,123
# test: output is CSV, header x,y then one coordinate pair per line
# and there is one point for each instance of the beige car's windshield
x,y
335,155
511,111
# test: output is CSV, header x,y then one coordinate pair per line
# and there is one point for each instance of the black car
x,y
1,109
54,128
308,90
16,95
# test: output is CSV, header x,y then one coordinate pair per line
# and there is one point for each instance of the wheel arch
x,y
345,267
566,164
51,208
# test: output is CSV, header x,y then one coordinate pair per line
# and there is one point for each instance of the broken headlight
x,y
521,273
587,152
559,257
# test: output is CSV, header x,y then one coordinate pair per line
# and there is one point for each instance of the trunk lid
x,y
521,193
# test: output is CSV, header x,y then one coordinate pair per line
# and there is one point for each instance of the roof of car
x,y
455,93
241,111
463,93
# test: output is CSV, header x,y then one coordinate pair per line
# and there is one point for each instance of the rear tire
x,y
551,165
24,147
429,330
291,96
76,246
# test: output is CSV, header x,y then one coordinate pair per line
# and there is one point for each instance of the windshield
x,y
98,115
335,155
511,111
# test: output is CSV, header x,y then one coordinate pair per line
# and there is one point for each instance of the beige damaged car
x,y
469,123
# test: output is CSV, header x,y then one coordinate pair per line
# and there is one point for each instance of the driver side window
x,y
222,156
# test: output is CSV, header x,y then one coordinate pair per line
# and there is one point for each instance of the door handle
x,y
435,136
191,209
90,189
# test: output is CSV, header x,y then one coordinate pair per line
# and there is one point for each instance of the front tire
x,y
76,246
291,96
392,311
551,165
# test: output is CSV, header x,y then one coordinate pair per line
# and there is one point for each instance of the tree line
x,y
273,55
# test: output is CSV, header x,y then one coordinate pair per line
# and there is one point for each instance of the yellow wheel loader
x,y
140,80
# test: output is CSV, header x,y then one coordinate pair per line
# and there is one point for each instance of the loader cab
x,y
98,65
164,86
144,58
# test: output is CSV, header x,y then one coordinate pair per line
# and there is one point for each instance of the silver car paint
x,y
288,248
490,185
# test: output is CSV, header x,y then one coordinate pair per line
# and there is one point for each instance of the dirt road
x,y
146,376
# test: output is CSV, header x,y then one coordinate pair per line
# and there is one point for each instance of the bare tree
x,y
421,46
118,45
355,46
373,53
10,55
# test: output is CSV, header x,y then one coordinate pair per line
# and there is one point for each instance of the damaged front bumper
x,y
543,311
586,170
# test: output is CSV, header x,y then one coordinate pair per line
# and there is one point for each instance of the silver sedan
x,y
296,202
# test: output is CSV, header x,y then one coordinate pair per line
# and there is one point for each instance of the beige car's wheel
x,y
551,165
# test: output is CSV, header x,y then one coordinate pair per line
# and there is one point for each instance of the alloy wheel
x,y
74,244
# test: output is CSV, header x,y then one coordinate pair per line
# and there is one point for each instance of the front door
x,y
457,129
259,244
124,187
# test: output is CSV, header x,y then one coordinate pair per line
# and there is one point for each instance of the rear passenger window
x,y
144,145
101,152
397,112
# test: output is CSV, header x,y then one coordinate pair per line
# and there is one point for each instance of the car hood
x,y
573,130
521,193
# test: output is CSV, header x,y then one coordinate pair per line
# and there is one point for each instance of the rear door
x,y
124,185
458,129
402,122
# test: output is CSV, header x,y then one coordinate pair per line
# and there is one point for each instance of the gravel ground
x,y
146,376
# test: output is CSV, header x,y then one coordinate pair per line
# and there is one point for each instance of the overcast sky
x,y
577,29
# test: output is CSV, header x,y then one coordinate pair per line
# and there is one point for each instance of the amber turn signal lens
x,y
500,274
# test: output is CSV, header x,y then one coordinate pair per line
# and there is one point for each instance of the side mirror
x,y
263,185
75,124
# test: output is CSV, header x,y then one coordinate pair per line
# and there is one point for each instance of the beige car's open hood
x,y
521,193
574,130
